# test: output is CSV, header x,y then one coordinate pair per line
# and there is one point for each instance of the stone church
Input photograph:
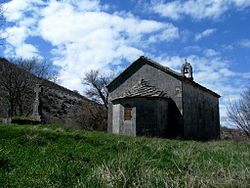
x,y
148,99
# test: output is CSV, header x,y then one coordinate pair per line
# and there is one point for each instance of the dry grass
x,y
52,156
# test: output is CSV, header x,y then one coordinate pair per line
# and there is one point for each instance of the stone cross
x,y
36,104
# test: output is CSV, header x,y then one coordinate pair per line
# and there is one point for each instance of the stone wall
x,y
193,112
201,113
149,117
156,77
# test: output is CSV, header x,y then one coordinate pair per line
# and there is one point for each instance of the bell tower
x,y
187,70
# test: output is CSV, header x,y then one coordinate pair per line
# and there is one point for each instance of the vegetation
x,y
23,117
53,156
239,112
96,86
15,89
39,67
18,78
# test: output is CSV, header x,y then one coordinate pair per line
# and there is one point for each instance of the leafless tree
x,y
96,83
92,116
239,112
17,84
40,68
16,92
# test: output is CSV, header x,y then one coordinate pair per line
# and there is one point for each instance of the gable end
x,y
167,70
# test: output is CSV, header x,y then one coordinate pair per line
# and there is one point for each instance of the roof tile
x,y
143,89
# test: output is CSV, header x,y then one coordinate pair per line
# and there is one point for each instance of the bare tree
x,y
96,83
16,84
239,112
92,116
16,92
38,67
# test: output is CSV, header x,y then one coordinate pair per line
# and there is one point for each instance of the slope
x,y
55,156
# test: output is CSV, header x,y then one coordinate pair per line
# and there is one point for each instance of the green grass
x,y
53,156
22,117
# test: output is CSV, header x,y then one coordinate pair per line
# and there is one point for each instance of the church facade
x,y
148,99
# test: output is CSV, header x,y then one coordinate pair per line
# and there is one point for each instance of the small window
x,y
127,112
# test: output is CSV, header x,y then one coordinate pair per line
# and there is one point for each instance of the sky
x,y
108,35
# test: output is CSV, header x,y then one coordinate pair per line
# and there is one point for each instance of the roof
x,y
143,89
167,70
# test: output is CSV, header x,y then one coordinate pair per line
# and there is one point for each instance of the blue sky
x,y
80,35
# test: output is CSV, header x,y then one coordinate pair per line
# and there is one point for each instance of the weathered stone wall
x,y
149,117
193,111
156,77
152,119
201,113
121,126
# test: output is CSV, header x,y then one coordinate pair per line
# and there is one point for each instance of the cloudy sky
x,y
80,35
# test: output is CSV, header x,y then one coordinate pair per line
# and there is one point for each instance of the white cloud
x,y
197,9
25,27
210,52
14,10
227,47
26,51
205,33
170,33
192,48
226,72
16,46
84,36
87,5
16,35
171,9
246,75
244,43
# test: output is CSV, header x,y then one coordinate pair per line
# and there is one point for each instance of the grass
x,y
23,118
53,156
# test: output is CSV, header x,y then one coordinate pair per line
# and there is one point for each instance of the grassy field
x,y
53,156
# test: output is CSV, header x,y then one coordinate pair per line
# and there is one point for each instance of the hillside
x,y
233,134
24,94
53,156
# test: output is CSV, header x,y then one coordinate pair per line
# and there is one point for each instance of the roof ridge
x,y
162,66
165,69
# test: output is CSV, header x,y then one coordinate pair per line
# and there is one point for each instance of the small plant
x,y
23,118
